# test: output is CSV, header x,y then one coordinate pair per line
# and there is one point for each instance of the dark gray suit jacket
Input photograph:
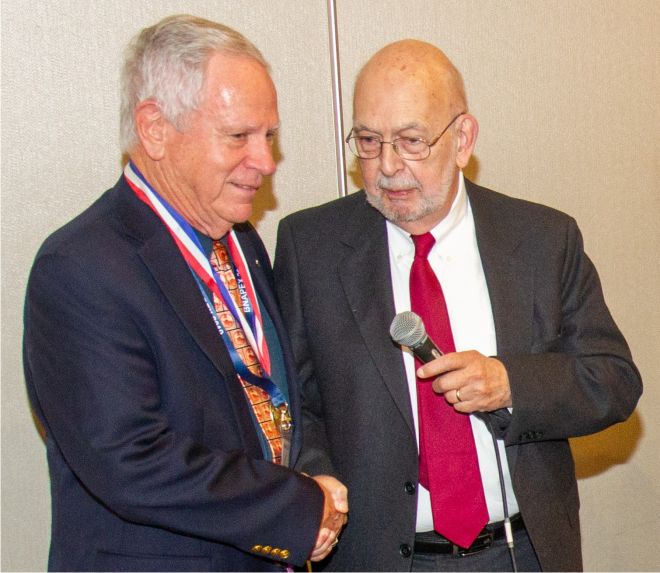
x,y
570,369
154,459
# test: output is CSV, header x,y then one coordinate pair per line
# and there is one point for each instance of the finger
x,y
322,538
320,552
450,381
323,544
320,556
436,367
429,371
446,363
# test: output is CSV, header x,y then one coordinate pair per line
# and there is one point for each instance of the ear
x,y
468,129
151,126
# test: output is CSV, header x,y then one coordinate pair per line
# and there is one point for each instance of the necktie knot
x,y
423,244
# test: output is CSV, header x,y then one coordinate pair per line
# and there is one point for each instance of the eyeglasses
x,y
410,148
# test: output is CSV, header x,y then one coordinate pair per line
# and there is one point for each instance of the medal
x,y
282,417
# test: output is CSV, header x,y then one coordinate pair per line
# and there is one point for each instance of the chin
x,y
398,211
242,215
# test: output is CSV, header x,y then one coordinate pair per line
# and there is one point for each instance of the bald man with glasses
x,y
461,464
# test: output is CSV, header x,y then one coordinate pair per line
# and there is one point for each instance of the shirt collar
x,y
457,214
207,242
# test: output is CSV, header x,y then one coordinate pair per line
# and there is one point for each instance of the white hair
x,y
167,63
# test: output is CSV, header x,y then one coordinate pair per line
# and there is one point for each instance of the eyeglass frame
x,y
351,135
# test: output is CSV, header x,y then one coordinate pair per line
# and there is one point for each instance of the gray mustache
x,y
392,184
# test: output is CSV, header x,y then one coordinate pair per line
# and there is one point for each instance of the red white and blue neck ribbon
x,y
188,243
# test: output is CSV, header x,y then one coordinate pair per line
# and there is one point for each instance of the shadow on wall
x,y
471,170
597,453
266,199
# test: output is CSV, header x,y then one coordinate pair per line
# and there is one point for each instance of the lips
x,y
399,193
402,190
250,188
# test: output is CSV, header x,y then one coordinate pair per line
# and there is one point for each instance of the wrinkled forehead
x,y
387,98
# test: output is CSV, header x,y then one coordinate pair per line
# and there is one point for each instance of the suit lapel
x,y
168,268
510,281
365,277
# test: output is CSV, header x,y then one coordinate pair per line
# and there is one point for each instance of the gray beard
x,y
426,206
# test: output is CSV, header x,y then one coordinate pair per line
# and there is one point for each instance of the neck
x,y
423,225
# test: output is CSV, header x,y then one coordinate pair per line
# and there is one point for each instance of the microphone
x,y
407,329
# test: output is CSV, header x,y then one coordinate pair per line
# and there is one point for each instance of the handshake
x,y
335,515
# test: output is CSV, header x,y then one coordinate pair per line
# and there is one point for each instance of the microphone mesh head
x,y
407,329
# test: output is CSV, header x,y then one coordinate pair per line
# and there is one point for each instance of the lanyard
x,y
265,383
248,314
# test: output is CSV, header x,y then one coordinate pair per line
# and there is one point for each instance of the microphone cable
x,y
508,531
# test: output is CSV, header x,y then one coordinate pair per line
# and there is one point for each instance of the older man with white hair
x,y
155,354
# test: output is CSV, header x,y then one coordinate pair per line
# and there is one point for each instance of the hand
x,y
470,381
335,512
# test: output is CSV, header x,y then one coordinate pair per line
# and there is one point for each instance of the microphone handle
x,y
426,350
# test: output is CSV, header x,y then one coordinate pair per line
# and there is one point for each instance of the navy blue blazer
x,y
154,459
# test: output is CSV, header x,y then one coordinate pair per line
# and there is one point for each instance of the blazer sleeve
x,y
579,376
96,377
314,458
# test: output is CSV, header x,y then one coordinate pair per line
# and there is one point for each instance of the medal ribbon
x,y
249,315
249,298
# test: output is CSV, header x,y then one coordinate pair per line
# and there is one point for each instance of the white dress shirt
x,y
456,262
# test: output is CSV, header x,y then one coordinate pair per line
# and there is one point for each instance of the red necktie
x,y
448,464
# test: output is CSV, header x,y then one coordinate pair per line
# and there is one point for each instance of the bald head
x,y
419,66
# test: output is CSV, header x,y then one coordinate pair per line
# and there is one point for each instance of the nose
x,y
261,157
390,160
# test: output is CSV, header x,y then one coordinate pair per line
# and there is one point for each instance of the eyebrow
x,y
409,125
247,128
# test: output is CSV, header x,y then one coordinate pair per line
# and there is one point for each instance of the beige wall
x,y
567,97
